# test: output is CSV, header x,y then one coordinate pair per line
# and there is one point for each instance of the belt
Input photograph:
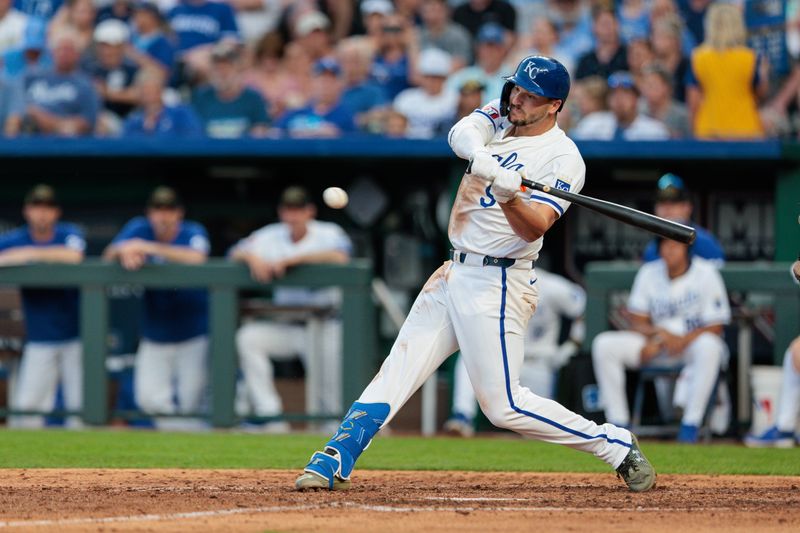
x,y
487,260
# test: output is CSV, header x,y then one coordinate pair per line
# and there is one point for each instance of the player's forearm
x,y
692,335
178,254
467,136
32,254
329,256
528,223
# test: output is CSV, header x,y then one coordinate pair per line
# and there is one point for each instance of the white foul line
x,y
335,505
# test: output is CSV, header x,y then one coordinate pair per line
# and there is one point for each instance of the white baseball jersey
x,y
558,297
477,224
696,299
274,243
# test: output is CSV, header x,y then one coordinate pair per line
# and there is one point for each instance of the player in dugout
x,y
480,301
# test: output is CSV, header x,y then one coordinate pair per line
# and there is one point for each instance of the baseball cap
x,y
328,65
671,189
471,85
622,80
492,33
42,195
35,36
380,7
226,50
311,21
112,31
295,196
164,197
434,62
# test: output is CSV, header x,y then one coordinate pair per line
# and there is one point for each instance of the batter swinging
x,y
480,302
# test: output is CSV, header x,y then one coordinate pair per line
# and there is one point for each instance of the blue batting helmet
x,y
539,75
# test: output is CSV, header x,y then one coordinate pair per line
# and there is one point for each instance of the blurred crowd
x,y
641,69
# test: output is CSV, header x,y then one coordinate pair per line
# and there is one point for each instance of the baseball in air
x,y
335,197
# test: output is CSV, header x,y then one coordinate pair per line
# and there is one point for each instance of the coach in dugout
x,y
171,371
52,350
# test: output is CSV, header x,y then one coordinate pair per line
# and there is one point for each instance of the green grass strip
x,y
148,449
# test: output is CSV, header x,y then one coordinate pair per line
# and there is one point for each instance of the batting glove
x,y
506,184
483,165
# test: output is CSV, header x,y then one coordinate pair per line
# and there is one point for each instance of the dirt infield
x,y
248,500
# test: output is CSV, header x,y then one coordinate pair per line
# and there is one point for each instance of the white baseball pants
x,y
484,312
261,342
43,365
789,403
170,378
536,374
614,351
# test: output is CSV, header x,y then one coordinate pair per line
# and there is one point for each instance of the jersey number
x,y
491,201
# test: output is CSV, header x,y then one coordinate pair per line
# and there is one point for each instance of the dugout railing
x,y
605,278
224,280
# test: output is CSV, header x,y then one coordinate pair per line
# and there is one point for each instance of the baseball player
x,y
782,435
558,297
297,239
678,308
171,359
481,300
52,351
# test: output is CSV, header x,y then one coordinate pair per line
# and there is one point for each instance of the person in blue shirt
x,y
326,115
52,352
44,9
390,67
62,100
171,370
153,118
228,109
149,37
361,94
673,203
32,53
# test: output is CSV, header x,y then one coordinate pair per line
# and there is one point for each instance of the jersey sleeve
x,y
340,241
476,130
11,239
639,300
567,173
134,229
716,309
74,239
198,239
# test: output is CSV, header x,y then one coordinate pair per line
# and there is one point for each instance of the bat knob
x,y
545,188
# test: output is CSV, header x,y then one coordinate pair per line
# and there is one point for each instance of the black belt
x,y
488,260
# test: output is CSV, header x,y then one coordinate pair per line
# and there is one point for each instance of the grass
x,y
147,449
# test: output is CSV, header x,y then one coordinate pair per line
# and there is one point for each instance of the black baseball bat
x,y
628,215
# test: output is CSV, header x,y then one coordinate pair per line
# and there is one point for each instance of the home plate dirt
x,y
382,501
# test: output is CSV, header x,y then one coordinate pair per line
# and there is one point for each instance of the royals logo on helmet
x,y
532,70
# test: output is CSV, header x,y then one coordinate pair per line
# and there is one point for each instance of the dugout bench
x,y
224,280
607,277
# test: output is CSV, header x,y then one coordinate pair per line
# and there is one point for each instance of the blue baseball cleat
x,y
771,438
323,472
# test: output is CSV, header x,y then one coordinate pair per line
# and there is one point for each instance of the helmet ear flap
x,y
505,96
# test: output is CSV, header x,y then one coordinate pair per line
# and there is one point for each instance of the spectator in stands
x,y
634,20
673,202
153,117
121,10
326,115
77,17
395,124
256,17
491,51
543,40
431,106
312,32
12,26
198,25
361,94
694,12
666,40
226,107
573,19
678,308
43,9
782,434
470,98
726,75
12,106
171,368
269,252
391,67
639,55
149,37
31,54
62,100
373,15
590,95
658,102
474,14
52,352
609,54
113,75
295,81
439,31
623,122
264,74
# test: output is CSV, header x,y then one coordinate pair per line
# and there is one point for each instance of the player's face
x,y
164,220
674,253
677,211
40,217
528,109
296,217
